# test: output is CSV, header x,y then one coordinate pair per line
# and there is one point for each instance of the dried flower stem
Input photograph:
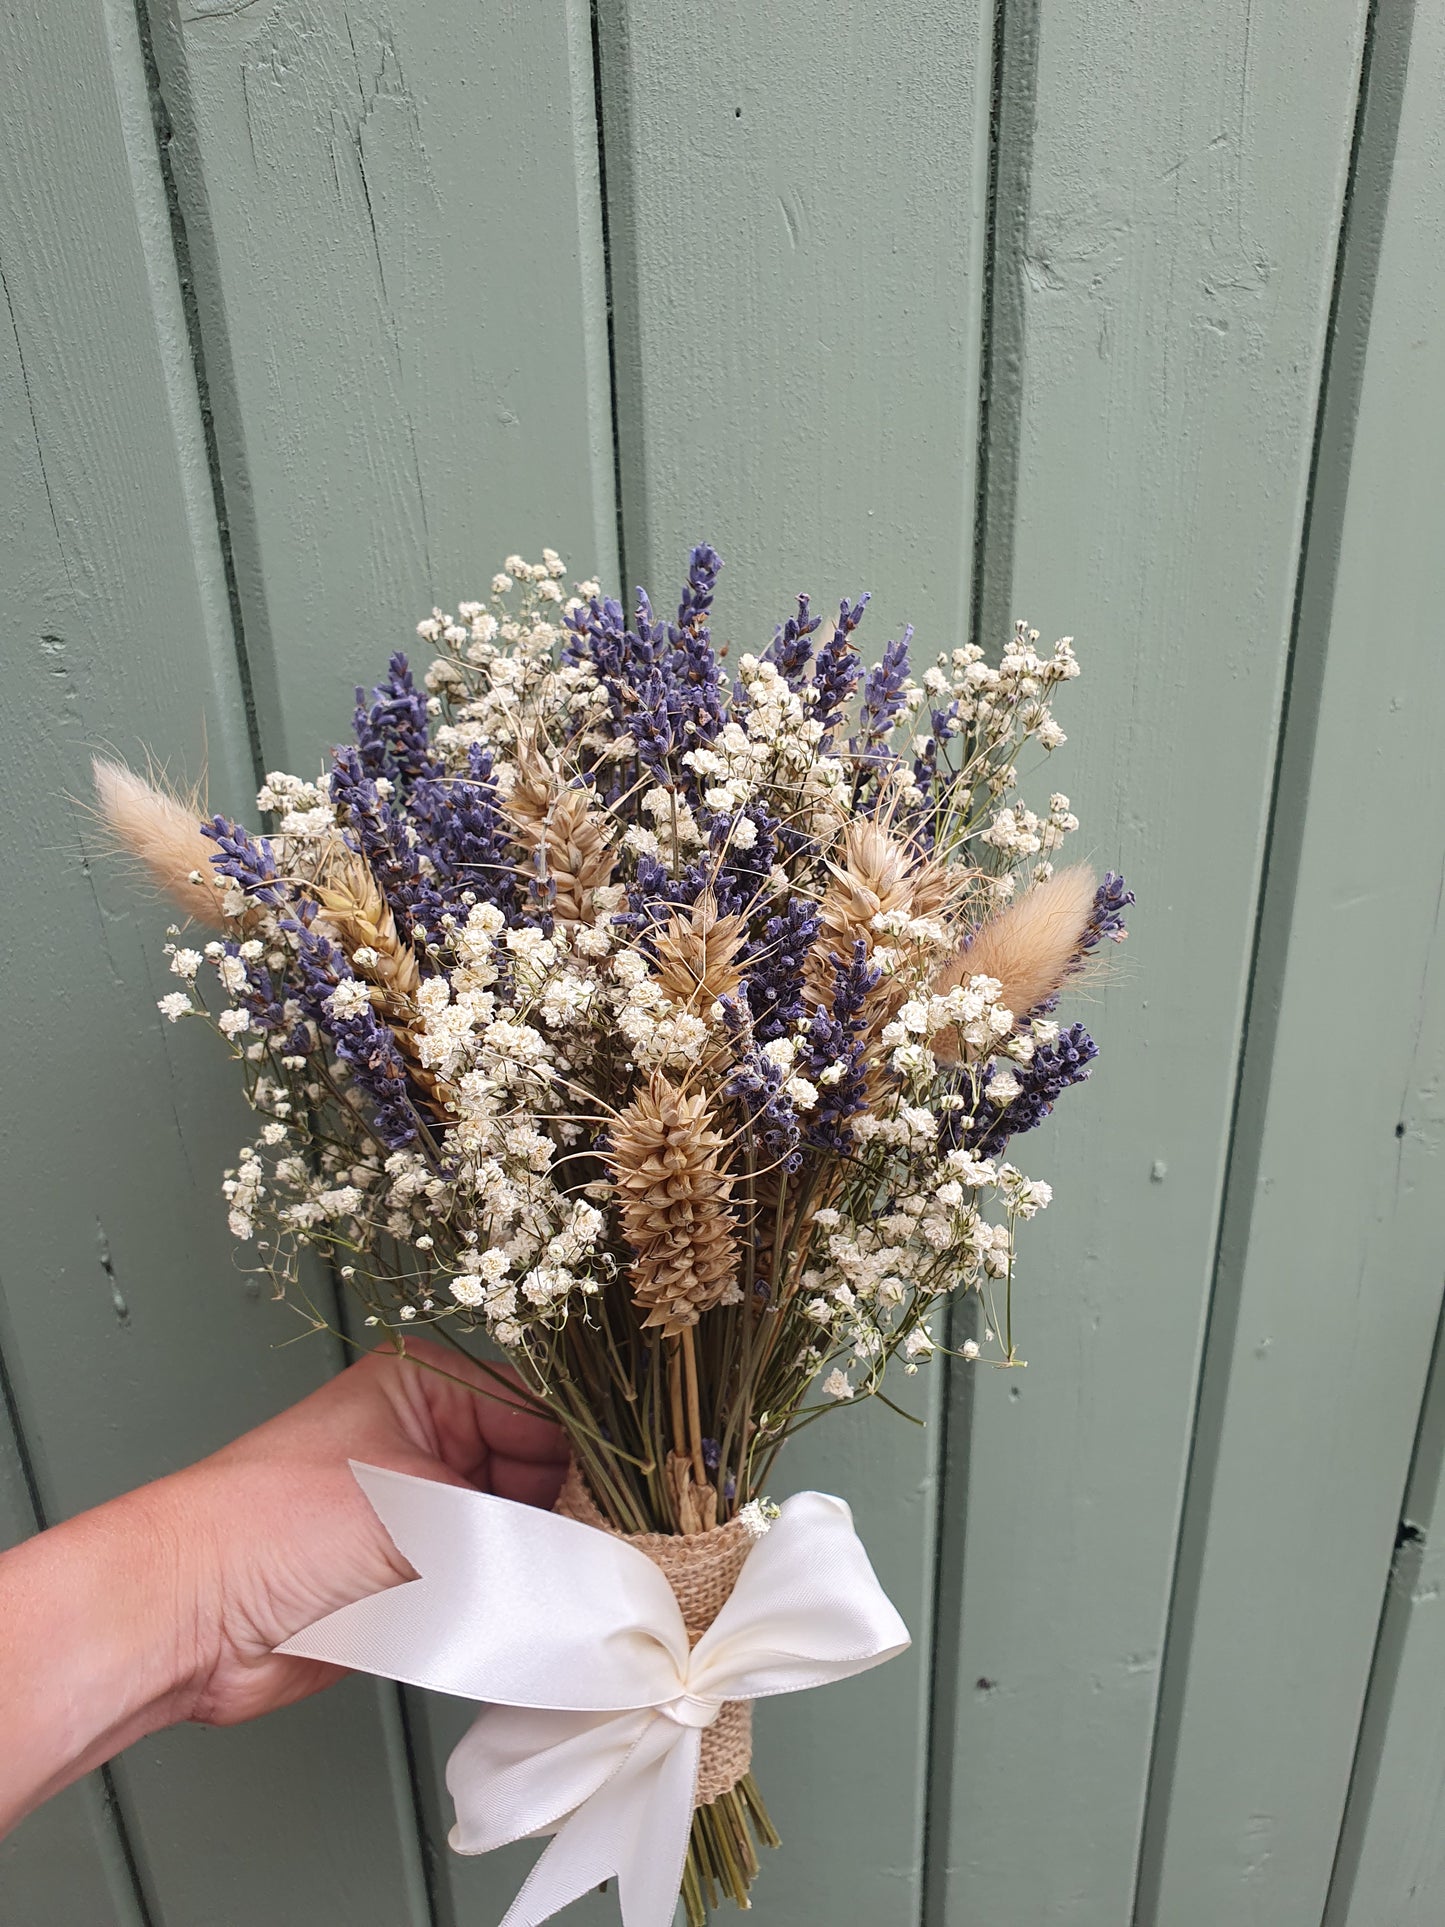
x,y
674,1388
694,1414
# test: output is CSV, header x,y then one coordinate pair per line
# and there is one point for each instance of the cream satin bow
x,y
596,1704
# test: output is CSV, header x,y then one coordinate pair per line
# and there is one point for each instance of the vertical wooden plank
x,y
1162,289
796,202
796,206
66,1863
134,1343
395,227
1330,1278
394,223
1390,1866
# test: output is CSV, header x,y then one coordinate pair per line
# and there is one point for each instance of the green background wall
x,y
1124,318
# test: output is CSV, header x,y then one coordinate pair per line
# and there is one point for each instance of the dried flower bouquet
x,y
660,1029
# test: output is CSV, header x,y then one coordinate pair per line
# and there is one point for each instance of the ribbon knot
x,y
576,1643
691,1709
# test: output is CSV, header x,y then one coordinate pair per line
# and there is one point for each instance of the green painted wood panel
x,y
66,1866
1330,1277
796,208
1390,1867
797,201
395,227
135,1343
395,231
392,222
1169,196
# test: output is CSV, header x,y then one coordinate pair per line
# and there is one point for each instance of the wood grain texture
x,y
1170,285
796,206
136,1344
397,248
65,1865
1330,1277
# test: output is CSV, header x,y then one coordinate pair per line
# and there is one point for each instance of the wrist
x,y
101,1639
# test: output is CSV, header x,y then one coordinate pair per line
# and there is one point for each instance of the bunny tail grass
x,y
1032,945
163,834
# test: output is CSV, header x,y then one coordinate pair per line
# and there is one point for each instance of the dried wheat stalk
x,y
563,834
874,875
878,874
356,915
697,956
674,1193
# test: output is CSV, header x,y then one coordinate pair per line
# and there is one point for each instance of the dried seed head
x,y
696,956
562,832
356,914
674,1199
878,873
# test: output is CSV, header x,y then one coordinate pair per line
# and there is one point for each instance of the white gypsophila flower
x,y
243,1190
803,1094
174,1006
348,999
1030,1196
758,1515
970,1349
343,1202
838,1384
592,940
185,963
232,973
1002,1087
231,1023
919,1343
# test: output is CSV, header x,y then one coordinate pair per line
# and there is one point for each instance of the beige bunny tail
x,y
163,833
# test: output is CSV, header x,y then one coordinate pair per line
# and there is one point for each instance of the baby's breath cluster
x,y
664,1027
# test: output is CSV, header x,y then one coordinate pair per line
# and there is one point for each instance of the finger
x,y
465,1409
526,1480
519,1433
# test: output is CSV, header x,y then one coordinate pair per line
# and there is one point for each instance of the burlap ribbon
x,y
701,1568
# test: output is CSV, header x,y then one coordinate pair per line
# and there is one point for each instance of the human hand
x,y
165,1604
280,1533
